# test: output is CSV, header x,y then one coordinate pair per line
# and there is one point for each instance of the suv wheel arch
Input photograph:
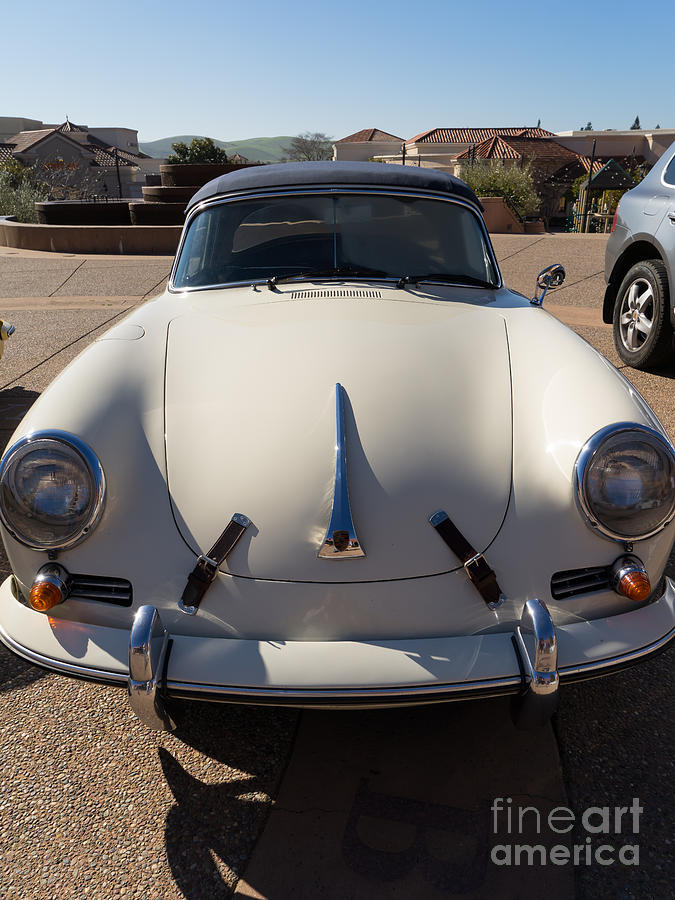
x,y
640,251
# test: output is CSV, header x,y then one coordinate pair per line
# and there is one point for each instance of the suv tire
x,y
642,332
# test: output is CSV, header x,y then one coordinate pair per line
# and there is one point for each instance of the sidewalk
x,y
26,274
397,804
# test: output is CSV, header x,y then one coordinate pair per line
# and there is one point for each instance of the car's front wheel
x,y
642,332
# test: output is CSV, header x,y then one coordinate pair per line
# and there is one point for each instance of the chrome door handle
x,y
671,216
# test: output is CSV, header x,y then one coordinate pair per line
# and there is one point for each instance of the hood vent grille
x,y
331,293
98,587
579,581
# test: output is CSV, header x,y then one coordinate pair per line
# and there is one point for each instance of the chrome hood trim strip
x,y
341,541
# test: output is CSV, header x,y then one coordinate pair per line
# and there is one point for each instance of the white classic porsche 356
x,y
338,463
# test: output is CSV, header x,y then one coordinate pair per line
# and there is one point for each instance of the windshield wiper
x,y
328,273
453,279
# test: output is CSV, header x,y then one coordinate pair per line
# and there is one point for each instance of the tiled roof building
x,y
519,147
364,144
79,147
26,139
369,135
474,135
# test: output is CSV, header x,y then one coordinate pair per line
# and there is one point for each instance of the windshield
x,y
275,237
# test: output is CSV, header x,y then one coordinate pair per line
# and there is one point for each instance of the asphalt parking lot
x,y
281,804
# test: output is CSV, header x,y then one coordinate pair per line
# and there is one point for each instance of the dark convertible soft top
x,y
327,174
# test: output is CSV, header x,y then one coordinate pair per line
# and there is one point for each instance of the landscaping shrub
x,y
491,178
19,192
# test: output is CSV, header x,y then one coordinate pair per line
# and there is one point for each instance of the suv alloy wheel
x,y
642,333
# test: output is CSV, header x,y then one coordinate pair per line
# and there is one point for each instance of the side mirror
x,y
550,277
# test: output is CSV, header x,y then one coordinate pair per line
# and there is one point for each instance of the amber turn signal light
x,y
44,595
630,579
635,585
51,587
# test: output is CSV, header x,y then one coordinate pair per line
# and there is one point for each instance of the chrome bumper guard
x,y
148,649
538,700
534,705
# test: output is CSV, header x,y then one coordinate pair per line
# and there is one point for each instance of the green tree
x,y
201,150
308,146
636,124
587,127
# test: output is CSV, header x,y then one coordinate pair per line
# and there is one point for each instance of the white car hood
x,y
251,428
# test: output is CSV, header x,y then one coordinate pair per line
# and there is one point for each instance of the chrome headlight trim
x,y
94,468
586,456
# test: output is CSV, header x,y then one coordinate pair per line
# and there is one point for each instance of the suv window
x,y
669,174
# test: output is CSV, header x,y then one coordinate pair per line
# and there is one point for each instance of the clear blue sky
x,y
241,69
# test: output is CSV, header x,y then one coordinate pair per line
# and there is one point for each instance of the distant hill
x,y
262,149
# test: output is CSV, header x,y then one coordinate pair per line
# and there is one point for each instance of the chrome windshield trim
x,y
345,279
275,192
341,541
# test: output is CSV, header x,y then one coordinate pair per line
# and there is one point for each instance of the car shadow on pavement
x,y
212,828
666,371
14,671
615,737
14,404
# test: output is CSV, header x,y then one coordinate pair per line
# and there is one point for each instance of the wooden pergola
x,y
593,199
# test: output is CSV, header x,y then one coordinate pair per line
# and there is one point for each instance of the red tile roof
x,y
102,152
519,147
70,126
106,158
369,134
27,139
492,148
474,135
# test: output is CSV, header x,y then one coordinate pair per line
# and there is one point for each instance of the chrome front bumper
x,y
528,663
536,700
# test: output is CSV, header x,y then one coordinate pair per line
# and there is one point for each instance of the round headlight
x,y
51,490
625,481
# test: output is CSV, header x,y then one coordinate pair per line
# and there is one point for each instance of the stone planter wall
x,y
83,212
163,194
110,239
144,212
165,204
197,174
498,217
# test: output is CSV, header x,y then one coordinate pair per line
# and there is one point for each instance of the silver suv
x,y
640,269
